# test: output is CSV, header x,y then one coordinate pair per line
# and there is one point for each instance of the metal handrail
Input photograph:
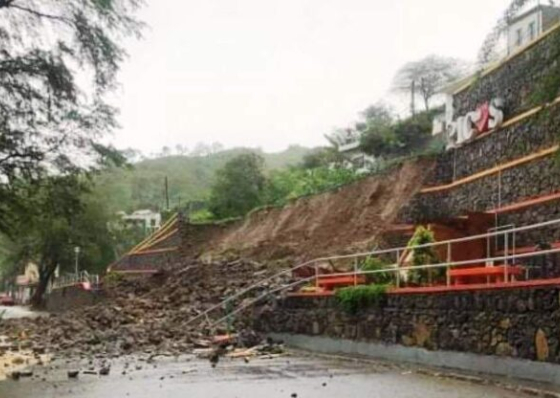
x,y
73,279
398,251
394,268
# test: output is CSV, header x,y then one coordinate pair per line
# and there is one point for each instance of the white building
x,y
528,26
348,142
148,219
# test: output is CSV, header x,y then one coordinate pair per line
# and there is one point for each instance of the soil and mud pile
x,y
151,316
347,220
147,316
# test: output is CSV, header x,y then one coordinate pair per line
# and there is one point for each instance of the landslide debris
x,y
349,219
147,316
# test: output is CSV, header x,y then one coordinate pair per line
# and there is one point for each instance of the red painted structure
x,y
329,282
495,274
448,289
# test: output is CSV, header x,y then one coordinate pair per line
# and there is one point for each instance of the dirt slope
x,y
341,221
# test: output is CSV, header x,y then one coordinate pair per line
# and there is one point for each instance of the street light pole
x,y
77,252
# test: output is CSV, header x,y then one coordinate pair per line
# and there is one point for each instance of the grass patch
x,y
354,298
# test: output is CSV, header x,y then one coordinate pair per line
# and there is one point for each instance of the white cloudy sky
x,y
269,73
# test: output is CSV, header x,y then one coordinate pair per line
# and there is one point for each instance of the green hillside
x,y
190,178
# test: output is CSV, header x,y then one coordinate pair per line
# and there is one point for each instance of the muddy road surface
x,y
284,377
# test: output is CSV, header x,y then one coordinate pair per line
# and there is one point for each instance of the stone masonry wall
x,y
534,214
514,81
535,133
151,261
512,185
522,323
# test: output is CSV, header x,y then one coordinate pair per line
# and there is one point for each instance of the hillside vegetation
x,y
190,177
336,221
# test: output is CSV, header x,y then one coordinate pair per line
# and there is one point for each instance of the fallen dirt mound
x,y
342,221
148,316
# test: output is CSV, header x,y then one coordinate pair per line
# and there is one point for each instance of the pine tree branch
x,y
38,14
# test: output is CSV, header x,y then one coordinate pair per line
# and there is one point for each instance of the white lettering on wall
x,y
486,117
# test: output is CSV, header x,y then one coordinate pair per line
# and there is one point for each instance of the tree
x,y
238,186
165,152
181,150
414,133
48,121
380,113
379,142
427,76
384,138
60,213
124,236
284,185
377,136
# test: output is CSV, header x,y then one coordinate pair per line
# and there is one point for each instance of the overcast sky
x,y
269,73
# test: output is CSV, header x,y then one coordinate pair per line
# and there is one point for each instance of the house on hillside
x,y
147,219
26,283
348,143
527,27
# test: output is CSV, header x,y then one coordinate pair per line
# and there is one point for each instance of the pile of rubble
x,y
146,316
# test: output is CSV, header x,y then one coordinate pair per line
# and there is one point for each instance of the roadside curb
x,y
515,385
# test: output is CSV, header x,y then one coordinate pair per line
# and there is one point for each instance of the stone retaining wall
x,y
536,178
144,262
514,81
535,133
71,297
531,215
523,323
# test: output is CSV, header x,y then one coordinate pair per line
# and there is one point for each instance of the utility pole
x,y
166,193
412,97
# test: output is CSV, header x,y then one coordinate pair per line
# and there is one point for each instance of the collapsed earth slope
x,y
345,220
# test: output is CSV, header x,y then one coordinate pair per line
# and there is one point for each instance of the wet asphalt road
x,y
269,378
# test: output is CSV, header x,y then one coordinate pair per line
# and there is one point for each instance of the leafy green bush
x,y
354,298
200,216
424,256
385,137
283,186
375,264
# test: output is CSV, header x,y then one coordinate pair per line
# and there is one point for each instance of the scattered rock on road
x,y
143,316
